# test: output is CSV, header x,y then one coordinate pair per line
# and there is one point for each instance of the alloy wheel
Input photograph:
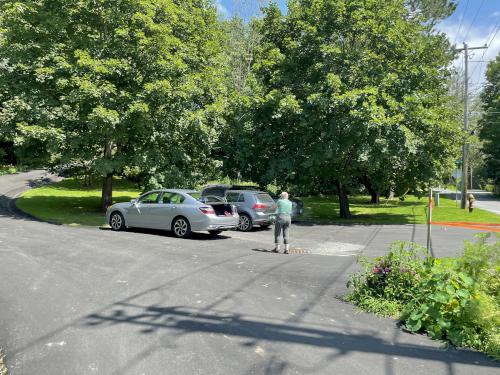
x,y
116,221
180,227
244,223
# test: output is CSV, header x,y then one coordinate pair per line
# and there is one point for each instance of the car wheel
x,y
215,232
117,221
245,223
181,228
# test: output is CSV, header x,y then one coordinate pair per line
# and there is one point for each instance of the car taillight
x,y
207,210
258,206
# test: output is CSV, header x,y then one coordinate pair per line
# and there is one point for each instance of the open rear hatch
x,y
222,209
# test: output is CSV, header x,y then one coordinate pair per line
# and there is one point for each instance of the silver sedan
x,y
181,211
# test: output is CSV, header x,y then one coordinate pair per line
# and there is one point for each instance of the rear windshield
x,y
264,198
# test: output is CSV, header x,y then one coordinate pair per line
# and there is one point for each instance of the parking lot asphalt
x,y
80,300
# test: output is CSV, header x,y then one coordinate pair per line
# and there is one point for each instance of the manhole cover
x,y
337,248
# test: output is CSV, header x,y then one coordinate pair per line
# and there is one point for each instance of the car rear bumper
x,y
261,218
221,227
212,222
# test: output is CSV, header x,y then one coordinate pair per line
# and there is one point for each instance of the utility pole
x,y
465,147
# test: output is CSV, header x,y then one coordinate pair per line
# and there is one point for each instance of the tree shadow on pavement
x,y
182,320
9,209
361,220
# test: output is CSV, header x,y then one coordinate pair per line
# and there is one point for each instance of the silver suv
x,y
254,207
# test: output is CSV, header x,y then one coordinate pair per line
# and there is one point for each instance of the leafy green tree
x,y
114,84
431,11
490,123
352,88
244,91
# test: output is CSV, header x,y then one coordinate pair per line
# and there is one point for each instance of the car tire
x,y
214,232
117,221
245,224
181,227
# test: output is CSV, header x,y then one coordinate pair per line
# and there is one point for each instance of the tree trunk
x,y
345,213
107,183
390,195
375,197
107,192
374,193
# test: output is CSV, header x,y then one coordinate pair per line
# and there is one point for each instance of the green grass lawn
x,y
68,202
410,211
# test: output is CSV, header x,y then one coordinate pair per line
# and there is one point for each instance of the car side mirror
x,y
133,201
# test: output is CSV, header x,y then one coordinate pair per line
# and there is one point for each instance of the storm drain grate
x,y
298,250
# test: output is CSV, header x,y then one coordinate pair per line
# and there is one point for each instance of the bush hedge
x,y
454,299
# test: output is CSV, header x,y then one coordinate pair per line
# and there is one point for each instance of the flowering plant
x,y
392,277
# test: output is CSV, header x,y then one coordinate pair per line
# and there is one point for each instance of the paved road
x,y
88,301
484,199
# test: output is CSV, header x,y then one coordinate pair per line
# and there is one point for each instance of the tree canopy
x,y
490,123
114,84
352,89
330,95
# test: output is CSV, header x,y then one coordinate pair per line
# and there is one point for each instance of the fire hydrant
x,y
471,202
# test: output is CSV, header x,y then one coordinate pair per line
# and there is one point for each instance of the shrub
x,y
460,299
387,282
457,299
7,169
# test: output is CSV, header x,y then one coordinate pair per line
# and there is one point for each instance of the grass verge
x,y
410,211
69,202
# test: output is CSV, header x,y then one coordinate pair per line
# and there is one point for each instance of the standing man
x,y
283,222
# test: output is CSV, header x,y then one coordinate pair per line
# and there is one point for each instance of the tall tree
x,y
352,88
114,83
490,122
242,42
431,11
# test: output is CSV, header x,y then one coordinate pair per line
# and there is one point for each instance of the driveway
x,y
88,301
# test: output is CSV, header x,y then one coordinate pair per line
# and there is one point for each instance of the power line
x,y
493,34
475,16
461,21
